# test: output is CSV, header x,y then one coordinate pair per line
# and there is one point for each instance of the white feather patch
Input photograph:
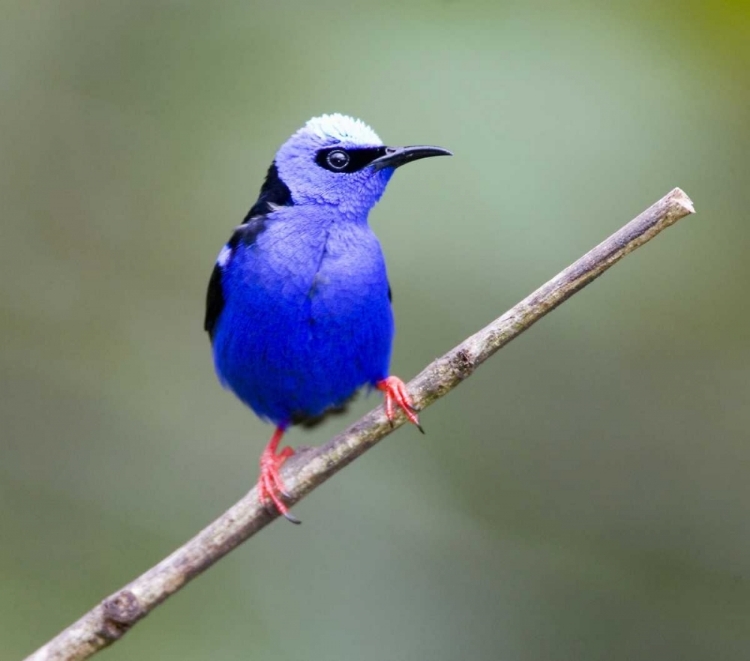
x,y
342,128
224,256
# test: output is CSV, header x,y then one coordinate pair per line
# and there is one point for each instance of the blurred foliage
x,y
585,496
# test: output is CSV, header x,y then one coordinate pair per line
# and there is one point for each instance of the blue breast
x,y
306,319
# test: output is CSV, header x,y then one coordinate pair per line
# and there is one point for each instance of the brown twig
x,y
110,619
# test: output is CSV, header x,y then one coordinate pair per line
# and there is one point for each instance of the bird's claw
x,y
395,393
270,485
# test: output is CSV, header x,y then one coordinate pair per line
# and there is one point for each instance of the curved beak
x,y
396,156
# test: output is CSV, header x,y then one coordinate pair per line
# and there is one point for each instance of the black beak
x,y
396,156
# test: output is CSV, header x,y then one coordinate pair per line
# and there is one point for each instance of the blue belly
x,y
306,322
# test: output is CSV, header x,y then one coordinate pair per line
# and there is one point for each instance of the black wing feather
x,y
214,301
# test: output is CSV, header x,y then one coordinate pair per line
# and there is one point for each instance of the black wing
x,y
214,301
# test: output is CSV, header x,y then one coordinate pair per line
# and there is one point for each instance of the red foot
x,y
395,393
270,486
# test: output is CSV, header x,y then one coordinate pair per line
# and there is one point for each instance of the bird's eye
x,y
353,159
337,159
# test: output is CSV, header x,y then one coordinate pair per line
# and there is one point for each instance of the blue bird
x,y
298,307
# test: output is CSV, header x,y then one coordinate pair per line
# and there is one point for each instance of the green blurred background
x,y
584,496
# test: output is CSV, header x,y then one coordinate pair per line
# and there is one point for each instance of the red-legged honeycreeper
x,y
298,306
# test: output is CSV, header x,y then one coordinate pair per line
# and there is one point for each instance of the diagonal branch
x,y
308,469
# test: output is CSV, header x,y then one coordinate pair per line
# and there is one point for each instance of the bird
x,y
298,307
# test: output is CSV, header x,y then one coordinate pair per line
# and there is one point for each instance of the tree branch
x,y
111,618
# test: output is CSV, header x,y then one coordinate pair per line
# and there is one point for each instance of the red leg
x,y
395,393
270,485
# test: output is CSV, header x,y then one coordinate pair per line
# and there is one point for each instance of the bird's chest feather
x,y
307,291
325,272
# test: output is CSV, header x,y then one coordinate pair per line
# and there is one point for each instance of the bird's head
x,y
337,160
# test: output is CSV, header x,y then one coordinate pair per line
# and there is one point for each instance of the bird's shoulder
x,y
274,195
244,236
